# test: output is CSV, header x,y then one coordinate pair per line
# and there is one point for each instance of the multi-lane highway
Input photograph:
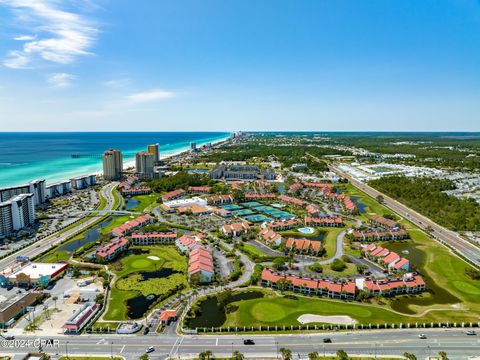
x,y
451,238
454,342
57,238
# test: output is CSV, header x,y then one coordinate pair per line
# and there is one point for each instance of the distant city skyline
x,y
104,65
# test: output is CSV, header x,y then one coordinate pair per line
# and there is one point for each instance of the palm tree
x,y
443,355
209,354
286,353
55,298
237,355
313,356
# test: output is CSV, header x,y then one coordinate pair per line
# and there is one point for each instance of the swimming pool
x,y
306,230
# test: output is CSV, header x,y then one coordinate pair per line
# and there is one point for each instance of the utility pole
x,y
111,349
66,349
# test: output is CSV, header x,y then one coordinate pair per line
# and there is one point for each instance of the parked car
x,y
248,342
146,331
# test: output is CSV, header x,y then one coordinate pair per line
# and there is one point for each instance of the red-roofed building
x,y
140,238
270,237
258,196
292,200
112,249
236,229
136,191
167,316
330,221
304,246
132,225
401,265
172,195
187,243
284,224
199,189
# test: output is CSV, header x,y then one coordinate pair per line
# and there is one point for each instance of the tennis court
x,y
251,204
243,212
231,207
257,218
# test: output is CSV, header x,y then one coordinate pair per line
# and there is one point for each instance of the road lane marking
x,y
216,342
123,347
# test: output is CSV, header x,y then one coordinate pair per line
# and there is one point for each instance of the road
x,y
454,342
50,241
450,238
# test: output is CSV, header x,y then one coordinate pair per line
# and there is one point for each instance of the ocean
x,y
47,155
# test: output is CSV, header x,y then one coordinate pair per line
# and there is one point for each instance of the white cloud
x,y
117,83
24,38
151,95
60,80
60,36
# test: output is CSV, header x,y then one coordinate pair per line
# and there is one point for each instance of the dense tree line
x,y
426,196
181,179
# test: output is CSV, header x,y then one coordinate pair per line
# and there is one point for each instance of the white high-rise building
x,y
16,213
59,188
35,187
144,162
84,181
112,164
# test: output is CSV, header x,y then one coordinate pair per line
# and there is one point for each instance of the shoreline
x,y
130,163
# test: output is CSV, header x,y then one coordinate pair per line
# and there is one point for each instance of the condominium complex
x,y
59,188
35,187
16,213
112,164
154,149
144,162
84,181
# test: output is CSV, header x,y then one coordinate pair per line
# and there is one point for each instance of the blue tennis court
x,y
251,204
257,218
243,212
231,207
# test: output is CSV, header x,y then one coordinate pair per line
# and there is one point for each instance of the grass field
x,y
330,241
130,284
277,310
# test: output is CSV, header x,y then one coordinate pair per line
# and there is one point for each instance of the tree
x,y
205,355
237,355
380,199
55,298
286,353
313,356
361,268
278,263
316,267
443,355
342,355
338,265
409,356
144,357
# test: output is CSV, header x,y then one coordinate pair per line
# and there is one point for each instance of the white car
x,y
150,349
470,332
422,336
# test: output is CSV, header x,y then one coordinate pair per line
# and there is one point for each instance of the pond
x,y
131,203
90,236
319,235
212,315
434,294
139,305
362,208
281,188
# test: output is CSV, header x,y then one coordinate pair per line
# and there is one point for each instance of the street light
x,y
232,349
111,349
276,346
66,349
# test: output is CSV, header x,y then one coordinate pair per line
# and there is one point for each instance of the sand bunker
x,y
338,319
154,258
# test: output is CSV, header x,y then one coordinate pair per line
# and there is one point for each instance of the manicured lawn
x,y
278,311
349,270
56,256
130,283
330,241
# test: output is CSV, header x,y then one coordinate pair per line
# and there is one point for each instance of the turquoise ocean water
x,y
28,156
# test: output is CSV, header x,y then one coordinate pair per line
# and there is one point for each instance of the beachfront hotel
x,y
154,149
144,163
16,213
112,164
35,187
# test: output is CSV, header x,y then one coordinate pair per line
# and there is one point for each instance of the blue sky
x,y
88,65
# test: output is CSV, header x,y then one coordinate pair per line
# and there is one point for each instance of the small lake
x,y
438,295
139,305
91,235
131,203
281,188
212,315
362,208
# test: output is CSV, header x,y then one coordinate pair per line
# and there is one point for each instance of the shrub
x,y
338,265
